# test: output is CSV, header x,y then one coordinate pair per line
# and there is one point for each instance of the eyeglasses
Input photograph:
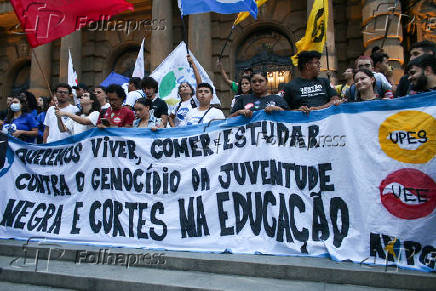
x,y
63,92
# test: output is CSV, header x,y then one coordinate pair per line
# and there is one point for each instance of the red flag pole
x,y
42,72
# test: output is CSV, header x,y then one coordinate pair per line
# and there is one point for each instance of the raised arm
x,y
194,67
223,73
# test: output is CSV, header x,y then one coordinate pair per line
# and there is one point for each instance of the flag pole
x,y
225,44
42,72
327,59
185,36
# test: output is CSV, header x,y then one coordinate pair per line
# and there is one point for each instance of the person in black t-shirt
x,y
259,99
422,74
159,107
418,49
309,92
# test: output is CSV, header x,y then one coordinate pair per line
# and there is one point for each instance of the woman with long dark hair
x,y
243,89
43,104
83,120
20,122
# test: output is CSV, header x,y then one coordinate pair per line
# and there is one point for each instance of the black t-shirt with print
x,y
312,93
254,103
160,108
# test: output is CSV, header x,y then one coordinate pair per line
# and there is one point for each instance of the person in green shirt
x,y
233,85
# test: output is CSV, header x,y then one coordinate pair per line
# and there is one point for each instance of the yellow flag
x,y
243,15
316,31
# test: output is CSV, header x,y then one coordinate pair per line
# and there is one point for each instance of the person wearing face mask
x,y
20,122
144,116
83,120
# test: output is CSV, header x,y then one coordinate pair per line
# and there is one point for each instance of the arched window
x,y
124,64
266,50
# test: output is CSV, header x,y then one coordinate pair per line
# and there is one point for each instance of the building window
x,y
266,50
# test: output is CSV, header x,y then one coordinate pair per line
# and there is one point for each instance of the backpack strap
x,y
193,105
353,93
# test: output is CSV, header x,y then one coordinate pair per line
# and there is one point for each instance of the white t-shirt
x,y
383,79
51,121
182,112
133,96
194,115
76,128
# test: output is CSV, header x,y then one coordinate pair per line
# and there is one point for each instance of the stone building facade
x,y
354,28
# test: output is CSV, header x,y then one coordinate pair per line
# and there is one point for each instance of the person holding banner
x,y
83,120
20,121
259,100
116,115
51,131
364,81
187,101
310,92
205,112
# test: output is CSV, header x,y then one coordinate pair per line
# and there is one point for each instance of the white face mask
x,y
15,107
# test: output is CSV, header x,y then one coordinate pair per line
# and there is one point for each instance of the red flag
x,y
46,20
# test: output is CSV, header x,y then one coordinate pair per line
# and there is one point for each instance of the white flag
x,y
174,70
72,75
139,64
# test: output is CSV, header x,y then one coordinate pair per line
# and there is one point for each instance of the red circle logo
x,y
408,194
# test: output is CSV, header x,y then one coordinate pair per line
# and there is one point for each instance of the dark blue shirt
x,y
26,122
40,120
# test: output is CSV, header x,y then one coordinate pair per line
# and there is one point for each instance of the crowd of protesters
x,y
48,119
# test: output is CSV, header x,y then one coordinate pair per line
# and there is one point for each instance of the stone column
x,y
161,40
330,41
379,17
38,85
73,42
200,40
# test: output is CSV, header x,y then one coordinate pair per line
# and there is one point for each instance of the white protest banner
x,y
351,182
175,70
